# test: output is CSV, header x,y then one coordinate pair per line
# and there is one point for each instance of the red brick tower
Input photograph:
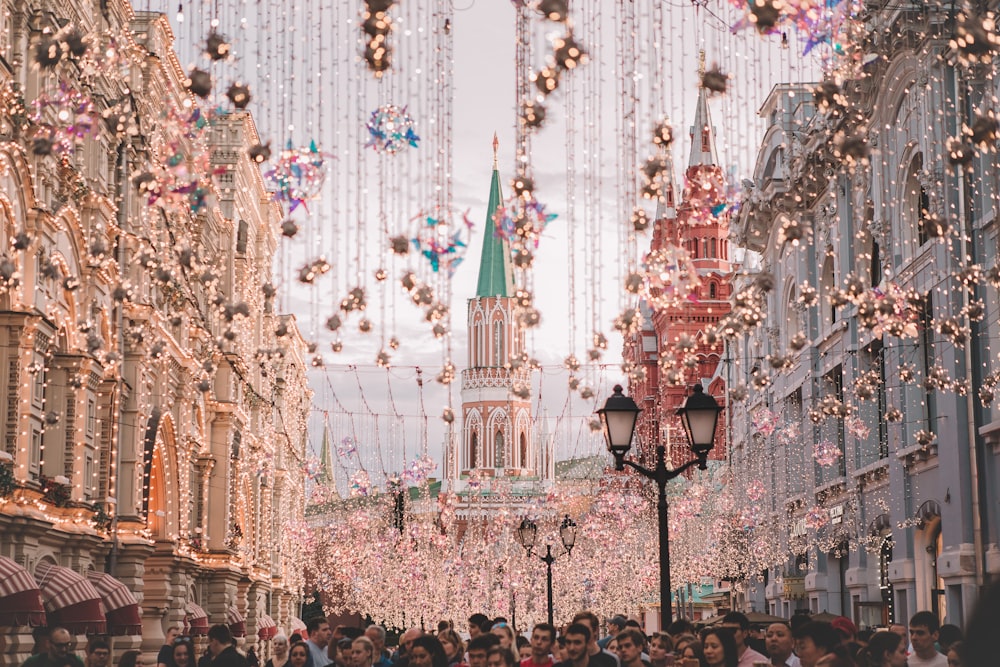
x,y
700,225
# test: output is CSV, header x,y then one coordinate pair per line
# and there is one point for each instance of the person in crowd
x,y
740,625
577,645
559,650
924,628
615,625
222,648
252,659
280,647
885,649
454,647
130,659
814,640
320,634
343,652
362,652
613,647
523,647
426,651
98,652
479,648
681,641
476,623
660,647
542,637
183,653
954,655
504,633
58,652
40,635
681,626
693,650
402,655
948,635
444,625
164,657
631,644
298,654
780,645
598,656
501,657
376,633
798,619
720,647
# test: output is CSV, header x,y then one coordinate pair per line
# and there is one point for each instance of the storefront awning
x,y
266,627
20,599
296,624
71,601
196,620
120,606
237,624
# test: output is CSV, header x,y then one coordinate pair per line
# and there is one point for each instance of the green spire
x,y
496,275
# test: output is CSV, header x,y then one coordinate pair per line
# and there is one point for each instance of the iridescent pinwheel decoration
x,y
62,120
390,130
298,175
521,221
441,243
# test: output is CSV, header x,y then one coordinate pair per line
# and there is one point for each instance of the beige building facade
x,y
154,406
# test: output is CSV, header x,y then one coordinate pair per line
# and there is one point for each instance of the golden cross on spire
x,y
496,146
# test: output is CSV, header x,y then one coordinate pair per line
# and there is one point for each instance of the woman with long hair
x,y
183,653
885,649
454,647
298,655
660,647
506,635
720,649
426,651
362,652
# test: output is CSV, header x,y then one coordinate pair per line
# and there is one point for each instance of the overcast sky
x,y
300,59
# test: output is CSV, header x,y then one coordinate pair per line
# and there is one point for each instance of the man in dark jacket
x,y
220,645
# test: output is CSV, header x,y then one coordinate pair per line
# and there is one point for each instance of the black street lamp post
x,y
526,534
699,415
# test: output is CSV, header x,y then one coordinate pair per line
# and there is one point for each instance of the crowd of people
x,y
493,642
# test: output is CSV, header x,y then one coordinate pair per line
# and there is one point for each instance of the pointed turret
x,y
702,132
496,271
325,458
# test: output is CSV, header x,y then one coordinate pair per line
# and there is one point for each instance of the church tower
x,y
497,426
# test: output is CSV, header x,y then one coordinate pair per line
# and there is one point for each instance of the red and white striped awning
x,y
195,620
266,627
20,599
71,601
120,606
296,624
237,624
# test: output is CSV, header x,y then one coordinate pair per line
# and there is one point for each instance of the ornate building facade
x,y
880,479
154,411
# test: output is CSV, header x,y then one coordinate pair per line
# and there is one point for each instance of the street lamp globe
x,y
526,533
700,415
567,533
618,417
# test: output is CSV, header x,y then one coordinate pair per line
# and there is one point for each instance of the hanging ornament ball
x,y
715,81
671,277
199,82
217,47
48,52
75,42
663,133
567,52
523,185
546,80
984,131
400,245
289,228
765,14
260,153
239,95
640,219
390,130
828,96
553,10
532,113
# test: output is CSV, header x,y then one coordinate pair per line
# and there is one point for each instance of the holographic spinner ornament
x,y
390,130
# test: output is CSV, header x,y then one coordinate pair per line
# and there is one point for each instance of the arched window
x,y
524,451
712,251
693,248
498,457
498,343
704,247
915,204
711,290
473,447
875,270
827,280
